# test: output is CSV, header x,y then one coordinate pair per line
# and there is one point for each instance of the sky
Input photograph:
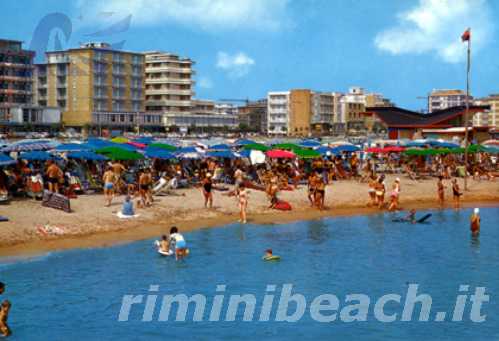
x,y
245,48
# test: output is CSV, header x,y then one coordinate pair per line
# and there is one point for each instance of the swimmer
x,y
475,222
164,244
181,249
4,315
2,287
411,216
270,256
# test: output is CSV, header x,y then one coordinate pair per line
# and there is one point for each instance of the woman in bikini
x,y
456,193
243,203
440,190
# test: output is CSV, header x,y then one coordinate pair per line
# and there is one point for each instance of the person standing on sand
x,y
109,180
207,191
54,175
394,196
380,191
456,193
441,190
372,190
475,222
312,179
243,195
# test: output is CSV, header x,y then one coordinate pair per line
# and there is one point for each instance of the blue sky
x,y
244,48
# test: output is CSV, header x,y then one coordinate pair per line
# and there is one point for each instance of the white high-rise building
x,y
169,83
278,111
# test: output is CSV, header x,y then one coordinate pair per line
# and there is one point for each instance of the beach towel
x,y
282,205
123,216
2,218
57,201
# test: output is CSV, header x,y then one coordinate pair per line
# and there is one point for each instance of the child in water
x,y
269,255
475,222
178,241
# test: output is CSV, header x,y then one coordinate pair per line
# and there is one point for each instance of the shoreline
x,y
151,228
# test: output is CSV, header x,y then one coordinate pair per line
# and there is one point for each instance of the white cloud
x,y
436,26
205,83
236,65
207,14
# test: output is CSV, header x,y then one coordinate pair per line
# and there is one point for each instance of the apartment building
x,y
440,99
254,115
201,117
226,109
278,112
169,84
325,109
488,118
16,69
95,85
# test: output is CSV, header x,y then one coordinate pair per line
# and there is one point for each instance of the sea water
x,y
78,294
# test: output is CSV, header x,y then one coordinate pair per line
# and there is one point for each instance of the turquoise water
x,y
77,295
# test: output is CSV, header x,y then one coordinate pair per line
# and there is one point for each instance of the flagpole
x,y
466,113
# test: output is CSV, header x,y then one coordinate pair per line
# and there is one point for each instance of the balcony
x,y
119,85
61,96
164,80
62,84
159,69
169,92
100,96
118,72
42,85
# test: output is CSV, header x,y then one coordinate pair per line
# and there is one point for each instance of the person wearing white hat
x,y
475,222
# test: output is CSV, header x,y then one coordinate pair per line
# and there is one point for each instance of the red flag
x,y
466,35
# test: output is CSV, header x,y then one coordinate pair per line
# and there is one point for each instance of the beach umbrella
x,y
158,153
393,149
245,153
30,145
475,148
164,146
492,149
243,142
6,160
373,150
280,154
286,146
221,146
189,149
137,144
36,156
415,144
119,139
350,148
144,140
188,156
324,150
309,143
115,153
256,146
72,147
222,154
307,153
442,144
86,155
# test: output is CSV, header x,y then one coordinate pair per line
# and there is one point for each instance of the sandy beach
x,y
91,224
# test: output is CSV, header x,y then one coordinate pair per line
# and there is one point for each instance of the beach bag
x,y
282,206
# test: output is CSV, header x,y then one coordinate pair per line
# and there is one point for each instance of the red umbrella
x,y
137,144
393,149
280,154
374,150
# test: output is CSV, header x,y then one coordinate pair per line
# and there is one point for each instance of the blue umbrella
x,y
309,143
224,154
190,149
72,147
415,144
158,153
443,144
6,160
346,148
36,156
245,153
29,145
86,155
221,146
243,142
144,140
324,150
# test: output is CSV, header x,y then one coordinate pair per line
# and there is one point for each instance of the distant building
x,y
401,123
226,109
16,70
289,112
440,99
488,118
325,107
254,115
278,112
95,85
169,84
201,117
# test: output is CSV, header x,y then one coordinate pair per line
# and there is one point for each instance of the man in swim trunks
x,y
109,180
54,175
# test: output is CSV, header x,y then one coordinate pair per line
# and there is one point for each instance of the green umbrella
x,y
286,146
256,146
115,153
164,146
457,150
475,148
307,153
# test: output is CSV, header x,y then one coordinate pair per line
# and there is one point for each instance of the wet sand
x,y
91,224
